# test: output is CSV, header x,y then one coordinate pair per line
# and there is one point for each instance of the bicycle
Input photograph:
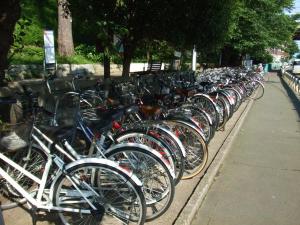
x,y
86,189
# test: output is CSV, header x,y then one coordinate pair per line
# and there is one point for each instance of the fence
x,y
293,81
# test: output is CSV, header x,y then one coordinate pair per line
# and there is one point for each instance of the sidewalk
x,y
259,182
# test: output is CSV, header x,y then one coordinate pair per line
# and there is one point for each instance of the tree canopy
x,y
182,23
258,25
231,27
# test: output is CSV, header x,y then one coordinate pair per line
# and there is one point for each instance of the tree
x,y
291,48
94,27
65,36
9,14
182,23
257,26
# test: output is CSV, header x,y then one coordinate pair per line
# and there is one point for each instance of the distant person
x,y
260,68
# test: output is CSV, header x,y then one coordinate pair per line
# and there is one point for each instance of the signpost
x,y
49,51
177,54
194,61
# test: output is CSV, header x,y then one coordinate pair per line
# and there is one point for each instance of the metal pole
x,y
194,61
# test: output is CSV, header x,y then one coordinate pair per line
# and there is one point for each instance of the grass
x,y
35,55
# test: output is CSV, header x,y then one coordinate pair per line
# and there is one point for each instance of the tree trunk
x,y
128,54
230,57
106,63
65,36
149,56
10,12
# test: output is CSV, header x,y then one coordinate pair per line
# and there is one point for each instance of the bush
x,y
89,52
35,55
28,55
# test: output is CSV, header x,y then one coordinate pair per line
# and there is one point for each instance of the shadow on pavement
x,y
48,217
272,82
294,99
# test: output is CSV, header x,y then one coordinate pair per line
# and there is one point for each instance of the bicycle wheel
x,y
224,111
235,96
230,101
195,146
162,132
259,90
138,136
100,193
31,159
239,97
202,120
148,166
205,103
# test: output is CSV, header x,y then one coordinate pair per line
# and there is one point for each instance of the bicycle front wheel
x,y
152,170
194,143
98,193
259,90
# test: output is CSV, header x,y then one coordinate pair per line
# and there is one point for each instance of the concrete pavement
x,y
259,181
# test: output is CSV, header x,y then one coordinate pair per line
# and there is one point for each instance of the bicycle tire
x,y
175,144
202,120
106,181
259,90
138,136
162,132
197,156
33,160
145,164
208,105
223,113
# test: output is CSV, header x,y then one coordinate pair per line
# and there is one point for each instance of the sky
x,y
296,7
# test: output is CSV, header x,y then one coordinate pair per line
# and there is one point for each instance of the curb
x,y
187,214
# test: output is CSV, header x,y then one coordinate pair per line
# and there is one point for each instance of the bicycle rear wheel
x,y
140,137
201,120
33,160
162,132
194,143
205,103
148,166
101,194
259,90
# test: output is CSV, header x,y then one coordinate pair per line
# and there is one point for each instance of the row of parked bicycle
x,y
113,153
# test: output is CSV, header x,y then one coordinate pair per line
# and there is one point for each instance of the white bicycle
x,y
84,191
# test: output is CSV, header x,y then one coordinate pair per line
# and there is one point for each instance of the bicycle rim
x,y
195,145
118,200
31,159
158,184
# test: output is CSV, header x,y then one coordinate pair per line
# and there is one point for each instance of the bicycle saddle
x,y
150,111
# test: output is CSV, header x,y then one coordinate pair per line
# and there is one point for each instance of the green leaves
x,y
19,35
259,25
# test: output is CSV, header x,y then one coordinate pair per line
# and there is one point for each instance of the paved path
x,y
259,182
